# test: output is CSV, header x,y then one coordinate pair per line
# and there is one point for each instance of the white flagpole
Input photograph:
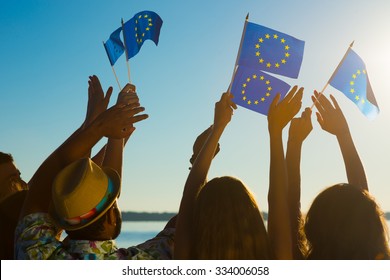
x,y
238,53
113,70
334,73
127,55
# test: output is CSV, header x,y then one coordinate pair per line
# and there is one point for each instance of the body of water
x,y
134,233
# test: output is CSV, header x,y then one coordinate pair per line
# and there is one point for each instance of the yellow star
x,y
354,76
244,98
267,36
248,79
244,85
249,102
136,29
358,72
261,40
352,90
261,77
136,34
364,72
261,60
150,24
257,46
147,28
363,101
283,41
268,65
254,76
267,82
243,92
287,54
357,97
140,16
287,47
136,21
257,53
143,34
269,88
262,99
145,16
257,102
283,61
276,36
351,83
277,65
149,19
267,94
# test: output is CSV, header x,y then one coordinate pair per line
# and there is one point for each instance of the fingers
x,y
336,105
108,94
320,120
291,93
275,101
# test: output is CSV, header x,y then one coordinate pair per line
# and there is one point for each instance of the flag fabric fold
x,y
114,46
255,90
271,51
351,78
143,26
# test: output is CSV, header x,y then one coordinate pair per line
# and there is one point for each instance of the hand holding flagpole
x,y
334,73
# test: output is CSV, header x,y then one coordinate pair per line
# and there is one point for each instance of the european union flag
x,y
144,25
255,90
271,51
351,78
114,46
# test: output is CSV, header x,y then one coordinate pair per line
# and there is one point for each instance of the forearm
x,y
278,215
293,160
114,155
353,165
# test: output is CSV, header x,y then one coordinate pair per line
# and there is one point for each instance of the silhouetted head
x,y
344,222
228,223
84,200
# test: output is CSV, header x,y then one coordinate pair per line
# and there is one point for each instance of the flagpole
x,y
239,52
127,54
112,67
334,73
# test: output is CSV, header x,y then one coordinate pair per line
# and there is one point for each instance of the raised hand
x,y
117,122
280,113
224,110
330,117
97,100
301,127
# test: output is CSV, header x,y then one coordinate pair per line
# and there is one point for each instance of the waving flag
x,y
271,51
255,90
114,46
143,26
351,78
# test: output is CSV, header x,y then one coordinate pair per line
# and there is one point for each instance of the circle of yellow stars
x,y
352,84
269,64
259,100
138,35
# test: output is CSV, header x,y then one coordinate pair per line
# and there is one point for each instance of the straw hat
x,y
82,192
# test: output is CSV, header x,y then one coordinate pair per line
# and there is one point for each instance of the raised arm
x,y
116,122
197,176
331,119
300,128
280,113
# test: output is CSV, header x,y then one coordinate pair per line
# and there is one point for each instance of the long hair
x,y
228,223
344,222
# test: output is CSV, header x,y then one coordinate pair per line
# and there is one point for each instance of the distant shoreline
x,y
130,216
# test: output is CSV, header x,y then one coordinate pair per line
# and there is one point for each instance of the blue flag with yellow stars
x,y
114,46
351,78
255,90
143,26
271,51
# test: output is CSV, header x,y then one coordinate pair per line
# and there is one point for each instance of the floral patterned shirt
x,y
36,237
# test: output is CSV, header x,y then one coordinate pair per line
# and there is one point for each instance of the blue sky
x,y
49,48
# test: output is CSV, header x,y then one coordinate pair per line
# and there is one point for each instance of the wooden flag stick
x,y
127,54
238,53
112,67
334,73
